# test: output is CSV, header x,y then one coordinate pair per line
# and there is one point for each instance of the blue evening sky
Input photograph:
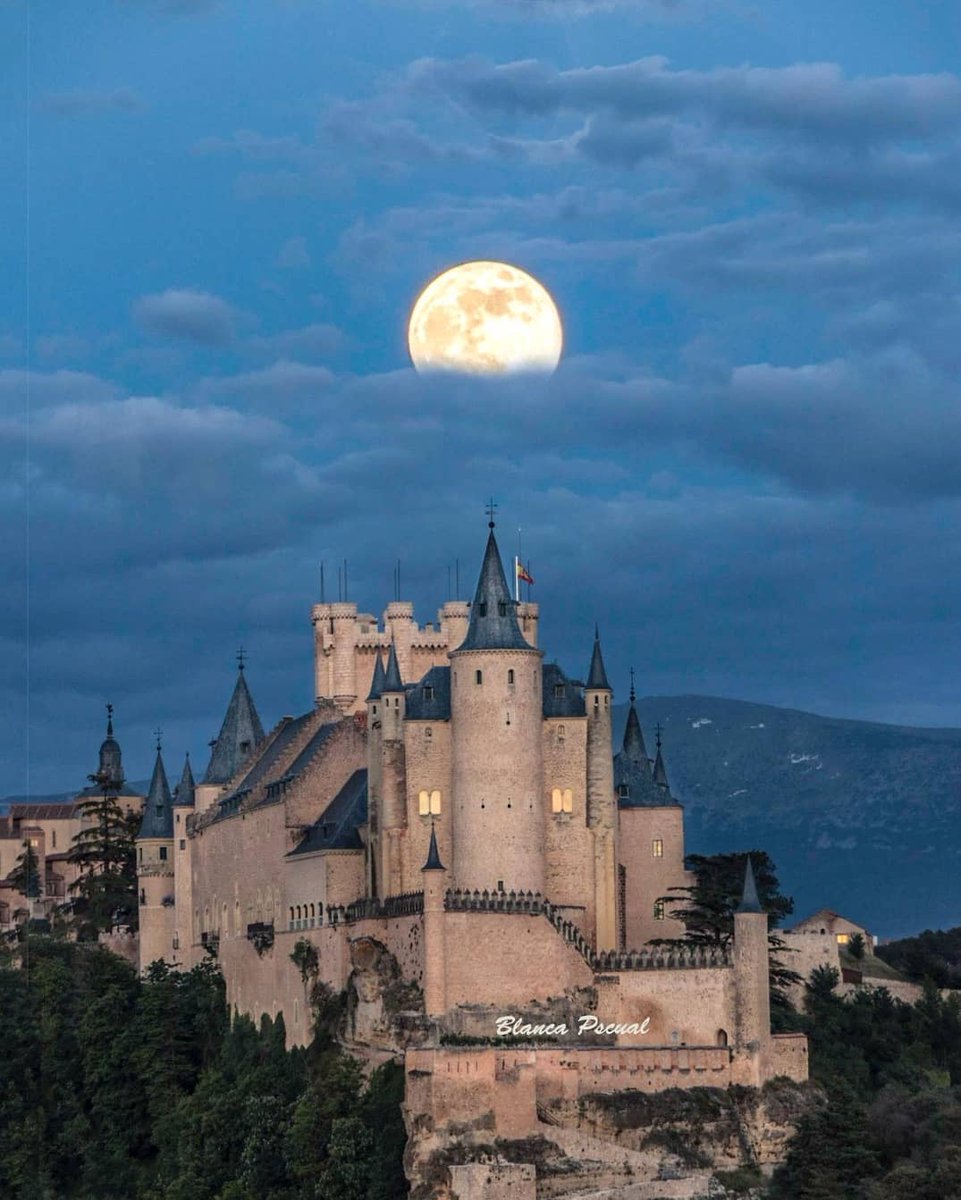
x,y
214,218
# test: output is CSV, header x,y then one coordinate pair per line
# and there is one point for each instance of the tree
x,y
856,947
706,908
105,893
25,875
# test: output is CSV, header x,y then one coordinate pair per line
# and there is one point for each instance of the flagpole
x,y
517,567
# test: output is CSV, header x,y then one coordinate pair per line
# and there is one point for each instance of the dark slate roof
x,y
241,728
632,770
660,771
184,791
392,679
337,828
597,676
433,855
561,696
377,681
262,768
42,812
158,814
308,752
493,614
750,902
429,700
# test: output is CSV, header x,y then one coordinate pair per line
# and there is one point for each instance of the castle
x,y
449,837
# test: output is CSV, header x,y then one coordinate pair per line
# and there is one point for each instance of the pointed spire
x,y
633,746
378,680
749,898
597,676
158,820
239,734
433,856
110,772
660,772
184,791
392,679
493,613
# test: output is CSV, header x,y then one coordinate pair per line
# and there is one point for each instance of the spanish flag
x,y
523,575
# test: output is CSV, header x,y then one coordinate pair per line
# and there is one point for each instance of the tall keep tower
x,y
496,749
601,801
155,869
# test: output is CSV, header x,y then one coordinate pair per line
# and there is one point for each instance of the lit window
x,y
568,800
478,676
557,800
843,939
435,803
657,848
658,910
423,804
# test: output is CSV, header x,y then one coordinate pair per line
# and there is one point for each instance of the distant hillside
x,y
139,786
860,817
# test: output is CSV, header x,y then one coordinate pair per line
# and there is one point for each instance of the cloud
x,y
10,346
313,341
293,255
188,315
82,102
62,345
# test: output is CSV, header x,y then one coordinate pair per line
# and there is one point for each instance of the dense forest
x,y
111,1086
934,955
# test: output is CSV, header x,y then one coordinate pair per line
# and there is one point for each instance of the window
x,y
482,608
428,692
721,1037
53,839
657,848
140,853
658,910
558,691
501,608
183,843
510,679
562,800
843,939
163,853
428,732
478,676
428,803
623,790
143,896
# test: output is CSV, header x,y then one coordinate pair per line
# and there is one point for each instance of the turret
x,y
155,869
183,804
601,801
393,775
659,774
751,972
496,745
435,884
110,770
374,777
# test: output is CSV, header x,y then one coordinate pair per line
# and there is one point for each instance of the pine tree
x,y
25,875
105,893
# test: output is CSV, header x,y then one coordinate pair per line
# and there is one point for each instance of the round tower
x,y
601,801
496,751
155,870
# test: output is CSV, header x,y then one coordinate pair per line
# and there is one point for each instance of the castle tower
x,y
110,772
601,801
435,885
239,735
393,775
751,972
183,805
496,748
155,869
374,773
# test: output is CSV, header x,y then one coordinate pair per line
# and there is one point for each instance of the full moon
x,y
485,318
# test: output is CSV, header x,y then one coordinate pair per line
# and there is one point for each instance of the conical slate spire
x,y
184,791
158,817
377,682
493,614
749,900
633,746
660,772
433,856
239,734
392,679
597,676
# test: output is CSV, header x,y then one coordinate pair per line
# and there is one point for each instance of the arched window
x,y
237,925
562,800
223,920
478,676
423,803
291,918
510,677
721,1037
435,803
